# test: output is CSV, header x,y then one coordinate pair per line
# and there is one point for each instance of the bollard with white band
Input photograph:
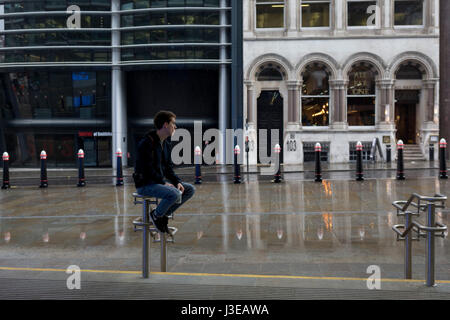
x,y
277,177
359,166
44,181
400,164
5,171
81,178
237,168
198,161
318,173
443,164
119,175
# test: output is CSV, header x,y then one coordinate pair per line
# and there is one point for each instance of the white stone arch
x,y
421,61
377,64
253,91
266,59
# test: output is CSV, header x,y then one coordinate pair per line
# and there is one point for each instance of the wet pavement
x,y
336,228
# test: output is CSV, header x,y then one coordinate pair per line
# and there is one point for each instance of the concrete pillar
x,y
119,108
223,84
444,72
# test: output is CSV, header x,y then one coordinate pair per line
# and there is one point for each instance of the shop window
x,y
408,12
360,13
315,97
361,97
315,14
269,14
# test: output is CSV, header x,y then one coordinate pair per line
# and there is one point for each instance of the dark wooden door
x,y
270,116
405,121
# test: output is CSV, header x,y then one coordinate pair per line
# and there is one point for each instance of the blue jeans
x,y
168,196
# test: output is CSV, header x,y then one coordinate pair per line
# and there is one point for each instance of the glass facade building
x,y
91,74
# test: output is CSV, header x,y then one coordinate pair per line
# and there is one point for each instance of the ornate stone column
x,y
294,113
251,109
385,107
430,89
339,112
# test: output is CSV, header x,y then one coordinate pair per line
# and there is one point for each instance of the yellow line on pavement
x,y
219,275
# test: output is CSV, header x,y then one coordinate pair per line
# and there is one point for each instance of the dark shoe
x,y
165,223
157,222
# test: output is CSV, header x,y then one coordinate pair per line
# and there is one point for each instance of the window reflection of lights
x,y
239,234
7,236
320,233
46,237
327,187
279,234
362,233
82,235
328,220
199,235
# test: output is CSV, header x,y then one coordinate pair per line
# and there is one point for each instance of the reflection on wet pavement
x,y
333,228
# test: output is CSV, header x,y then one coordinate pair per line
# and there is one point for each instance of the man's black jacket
x,y
153,162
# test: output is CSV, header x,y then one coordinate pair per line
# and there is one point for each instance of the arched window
x,y
270,72
361,97
315,97
408,72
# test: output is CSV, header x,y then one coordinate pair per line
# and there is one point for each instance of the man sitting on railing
x,y
153,164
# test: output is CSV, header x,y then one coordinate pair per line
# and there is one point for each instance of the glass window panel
x,y
194,3
211,18
408,72
212,3
158,3
175,3
361,81
270,74
158,19
175,35
361,111
315,14
357,13
270,15
141,4
175,18
158,36
315,82
408,12
315,111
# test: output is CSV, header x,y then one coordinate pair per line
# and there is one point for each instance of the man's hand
x,y
169,185
180,187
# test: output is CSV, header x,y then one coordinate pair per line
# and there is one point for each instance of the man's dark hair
x,y
162,117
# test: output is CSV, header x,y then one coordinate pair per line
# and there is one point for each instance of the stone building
x,y
341,71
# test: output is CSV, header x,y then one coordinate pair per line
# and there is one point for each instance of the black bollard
x,y
318,149
198,161
277,177
431,152
359,166
44,181
400,165
119,175
237,168
5,171
81,178
443,164
388,153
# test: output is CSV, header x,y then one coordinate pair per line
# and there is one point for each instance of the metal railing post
x,y
408,246
430,263
145,240
163,240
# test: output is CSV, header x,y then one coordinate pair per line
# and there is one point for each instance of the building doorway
x,y
405,115
270,116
